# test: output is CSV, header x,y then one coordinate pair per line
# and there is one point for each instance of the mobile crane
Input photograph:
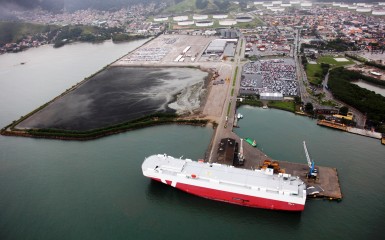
x,y
313,172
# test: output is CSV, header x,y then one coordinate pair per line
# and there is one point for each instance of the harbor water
x,y
53,189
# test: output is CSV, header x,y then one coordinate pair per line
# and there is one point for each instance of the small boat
x,y
251,142
239,116
265,107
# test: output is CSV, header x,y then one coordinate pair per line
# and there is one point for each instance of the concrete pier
x,y
353,130
325,186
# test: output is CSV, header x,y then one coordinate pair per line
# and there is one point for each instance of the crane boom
x,y
309,162
313,172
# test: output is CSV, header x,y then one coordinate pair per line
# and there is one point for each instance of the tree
x,y
344,110
309,107
297,99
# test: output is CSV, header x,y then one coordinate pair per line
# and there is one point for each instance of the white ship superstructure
x,y
253,188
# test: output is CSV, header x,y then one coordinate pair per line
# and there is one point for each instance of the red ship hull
x,y
235,198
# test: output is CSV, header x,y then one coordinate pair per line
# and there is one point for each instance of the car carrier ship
x,y
260,188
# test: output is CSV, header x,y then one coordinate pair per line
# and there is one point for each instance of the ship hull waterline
x,y
234,198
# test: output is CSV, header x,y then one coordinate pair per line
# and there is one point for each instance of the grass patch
x,y
15,31
235,76
314,73
146,121
228,109
330,60
181,7
282,105
251,101
255,23
232,92
329,103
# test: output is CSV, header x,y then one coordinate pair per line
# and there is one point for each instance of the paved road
x,y
226,121
302,79
359,117
306,97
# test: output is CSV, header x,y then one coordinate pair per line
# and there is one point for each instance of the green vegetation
x,y
313,73
232,92
123,37
235,76
83,33
282,105
181,6
344,110
362,99
356,57
200,6
251,101
369,63
332,62
317,72
337,45
228,109
16,31
150,120
255,23
309,108
328,103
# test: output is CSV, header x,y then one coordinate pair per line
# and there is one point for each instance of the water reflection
x,y
164,196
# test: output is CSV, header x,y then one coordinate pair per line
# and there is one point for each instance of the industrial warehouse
x,y
222,47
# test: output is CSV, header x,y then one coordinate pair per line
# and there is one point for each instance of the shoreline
x,y
100,133
194,119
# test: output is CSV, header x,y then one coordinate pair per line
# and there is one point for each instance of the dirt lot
x,y
366,70
163,50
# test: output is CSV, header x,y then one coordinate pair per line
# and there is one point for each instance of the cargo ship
x,y
260,188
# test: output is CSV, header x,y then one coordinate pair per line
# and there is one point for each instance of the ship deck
x,y
223,174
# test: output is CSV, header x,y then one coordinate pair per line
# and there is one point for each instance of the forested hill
x,y
71,5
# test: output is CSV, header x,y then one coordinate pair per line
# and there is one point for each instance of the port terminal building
x,y
277,96
222,46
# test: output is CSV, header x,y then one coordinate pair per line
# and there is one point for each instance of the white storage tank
x,y
363,10
206,23
306,4
200,17
227,22
378,12
186,23
220,16
160,19
180,18
244,18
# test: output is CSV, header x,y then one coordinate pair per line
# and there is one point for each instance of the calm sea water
x,y
95,190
